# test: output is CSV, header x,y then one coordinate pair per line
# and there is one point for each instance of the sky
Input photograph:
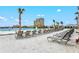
x,y
9,14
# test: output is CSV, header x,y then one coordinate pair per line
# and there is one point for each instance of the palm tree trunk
x,y
19,22
54,25
62,26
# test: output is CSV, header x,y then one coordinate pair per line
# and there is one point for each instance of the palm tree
x,y
20,13
54,23
77,17
76,20
57,23
61,23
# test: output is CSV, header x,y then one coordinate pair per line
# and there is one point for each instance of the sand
x,y
39,44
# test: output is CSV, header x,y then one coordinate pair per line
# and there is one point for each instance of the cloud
x,y
11,17
40,15
3,18
58,10
16,20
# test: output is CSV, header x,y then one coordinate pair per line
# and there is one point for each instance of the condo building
x,y
39,22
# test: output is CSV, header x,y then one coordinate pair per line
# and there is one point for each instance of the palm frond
x,y
19,9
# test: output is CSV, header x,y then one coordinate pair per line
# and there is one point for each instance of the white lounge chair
x,y
19,35
64,36
57,36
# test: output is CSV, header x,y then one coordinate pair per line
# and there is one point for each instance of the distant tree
x,y
61,22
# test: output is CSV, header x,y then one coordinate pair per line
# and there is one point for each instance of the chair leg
x,y
67,42
49,38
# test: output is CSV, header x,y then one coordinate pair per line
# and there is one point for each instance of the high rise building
x,y
39,22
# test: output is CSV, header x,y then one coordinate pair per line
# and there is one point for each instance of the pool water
x,y
15,29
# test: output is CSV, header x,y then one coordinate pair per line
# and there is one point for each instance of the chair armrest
x,y
49,37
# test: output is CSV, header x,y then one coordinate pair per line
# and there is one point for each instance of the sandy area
x,y
39,44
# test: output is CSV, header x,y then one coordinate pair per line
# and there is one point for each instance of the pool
x,y
15,29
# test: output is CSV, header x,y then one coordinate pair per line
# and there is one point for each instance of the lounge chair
x,y
52,29
19,34
42,31
63,36
27,33
45,31
39,32
68,35
34,32
57,36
